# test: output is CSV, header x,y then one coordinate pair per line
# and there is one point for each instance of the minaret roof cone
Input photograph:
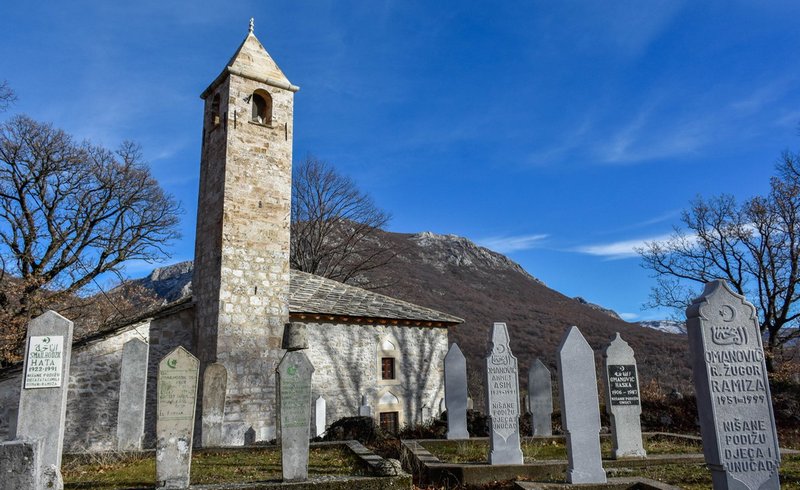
x,y
252,61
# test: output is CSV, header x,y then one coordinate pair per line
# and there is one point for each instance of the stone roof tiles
x,y
317,295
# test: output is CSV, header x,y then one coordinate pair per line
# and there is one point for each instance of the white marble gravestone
x,y
580,408
540,399
622,399
43,398
320,416
215,383
502,399
365,410
737,423
132,395
294,395
176,393
455,393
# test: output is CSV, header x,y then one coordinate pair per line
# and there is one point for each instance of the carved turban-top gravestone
x,y
622,399
502,400
580,408
540,399
455,393
740,442
177,398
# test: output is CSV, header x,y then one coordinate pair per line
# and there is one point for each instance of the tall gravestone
x,y
502,399
43,398
320,416
580,408
540,399
132,395
177,398
215,382
455,393
740,442
294,394
622,399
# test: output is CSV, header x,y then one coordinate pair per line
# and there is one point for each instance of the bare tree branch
x,y
7,96
70,212
754,246
333,224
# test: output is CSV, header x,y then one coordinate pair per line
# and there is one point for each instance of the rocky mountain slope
x,y
452,274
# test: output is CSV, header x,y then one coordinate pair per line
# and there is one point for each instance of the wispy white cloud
x,y
622,249
508,244
762,96
646,138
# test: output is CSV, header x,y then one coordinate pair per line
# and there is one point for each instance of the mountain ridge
x,y
454,275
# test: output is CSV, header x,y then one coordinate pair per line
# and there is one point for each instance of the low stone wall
x,y
9,402
93,397
346,358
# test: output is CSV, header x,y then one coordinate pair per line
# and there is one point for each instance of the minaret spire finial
x,y
252,24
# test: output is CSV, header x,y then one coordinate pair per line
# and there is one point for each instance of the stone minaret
x,y
241,266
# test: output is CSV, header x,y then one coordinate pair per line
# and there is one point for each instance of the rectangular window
x,y
387,368
389,422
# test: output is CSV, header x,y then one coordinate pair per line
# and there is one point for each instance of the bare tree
x,y
70,212
7,96
754,246
333,224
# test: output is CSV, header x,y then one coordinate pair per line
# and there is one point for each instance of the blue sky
x,y
560,133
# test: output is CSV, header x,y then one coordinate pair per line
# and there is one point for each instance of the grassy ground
x,y
476,451
689,476
697,477
115,471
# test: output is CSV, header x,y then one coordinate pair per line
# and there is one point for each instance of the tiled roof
x,y
318,295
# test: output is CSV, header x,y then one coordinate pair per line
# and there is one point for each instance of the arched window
x,y
262,107
215,111
388,358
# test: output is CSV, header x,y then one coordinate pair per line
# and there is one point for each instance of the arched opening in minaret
x,y
262,107
215,111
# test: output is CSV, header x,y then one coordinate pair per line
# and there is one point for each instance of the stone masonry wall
x,y
346,361
243,262
93,397
208,238
10,386
166,334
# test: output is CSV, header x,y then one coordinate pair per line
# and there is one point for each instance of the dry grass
x,y
108,471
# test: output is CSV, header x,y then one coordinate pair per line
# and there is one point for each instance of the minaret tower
x,y
241,267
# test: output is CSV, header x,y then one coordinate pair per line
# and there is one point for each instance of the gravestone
x,y
364,410
580,408
177,398
737,423
502,399
215,382
294,395
455,393
19,465
320,416
540,399
469,403
622,399
132,395
43,398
